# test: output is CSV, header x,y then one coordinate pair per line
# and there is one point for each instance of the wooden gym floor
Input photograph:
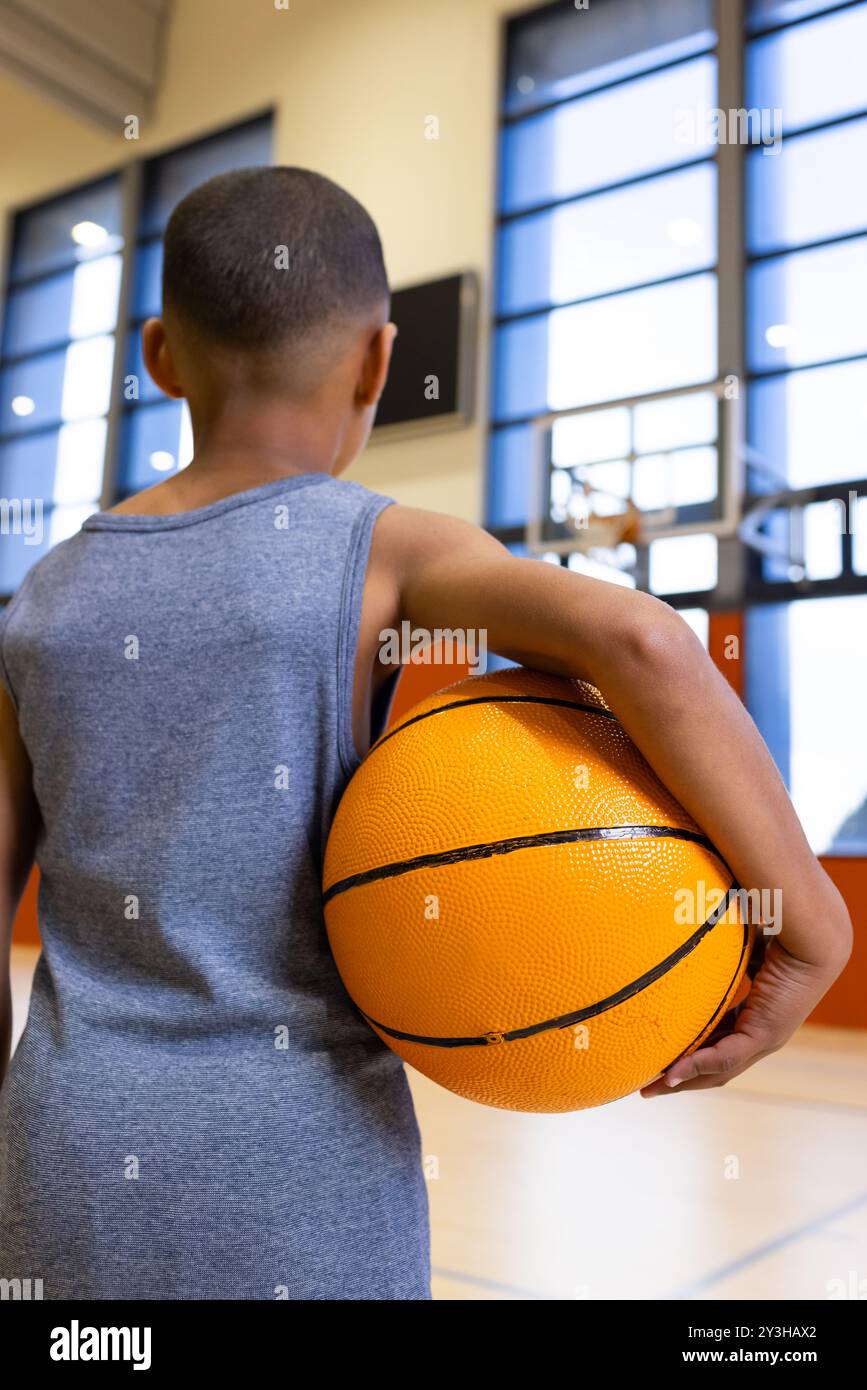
x,y
754,1191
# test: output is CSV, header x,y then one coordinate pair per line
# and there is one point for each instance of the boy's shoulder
x,y
50,570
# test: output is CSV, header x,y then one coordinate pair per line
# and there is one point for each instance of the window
x,y
807,690
806,242
610,248
56,364
74,427
607,259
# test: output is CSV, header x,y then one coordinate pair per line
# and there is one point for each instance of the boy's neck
x,y
263,439
238,450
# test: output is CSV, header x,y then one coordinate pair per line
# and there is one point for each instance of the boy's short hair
x,y
267,258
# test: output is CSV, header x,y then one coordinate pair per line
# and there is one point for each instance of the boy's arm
x,y
681,713
19,820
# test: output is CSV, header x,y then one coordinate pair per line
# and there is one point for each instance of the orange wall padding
x,y
725,644
846,1003
26,930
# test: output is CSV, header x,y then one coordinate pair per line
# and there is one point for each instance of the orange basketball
x,y
517,905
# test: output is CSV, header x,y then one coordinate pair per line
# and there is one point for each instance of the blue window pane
x,y
827,782
521,369
76,304
564,51
74,384
151,445
807,191
813,72
510,475
56,465
147,294
27,466
811,426
171,177
31,393
808,307
662,227
649,124
38,316
642,341
58,234
762,14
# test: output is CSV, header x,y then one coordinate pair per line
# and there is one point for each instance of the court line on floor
x,y
478,1282
768,1247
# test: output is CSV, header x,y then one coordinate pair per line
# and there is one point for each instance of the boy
x,y
195,1110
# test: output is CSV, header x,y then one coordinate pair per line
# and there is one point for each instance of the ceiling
x,y
102,61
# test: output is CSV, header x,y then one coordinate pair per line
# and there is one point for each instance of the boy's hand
x,y
784,993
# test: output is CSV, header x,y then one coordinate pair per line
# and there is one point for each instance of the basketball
x,y
517,905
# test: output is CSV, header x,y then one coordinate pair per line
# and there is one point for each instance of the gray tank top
x,y
195,1109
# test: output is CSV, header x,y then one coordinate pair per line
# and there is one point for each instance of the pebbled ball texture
x,y
491,931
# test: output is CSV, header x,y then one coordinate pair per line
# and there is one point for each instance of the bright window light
x,y
684,231
779,335
699,620
823,527
80,458
161,460
185,437
95,289
679,564
87,378
88,234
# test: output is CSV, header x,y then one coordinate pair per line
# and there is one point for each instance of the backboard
x,y
611,479
616,476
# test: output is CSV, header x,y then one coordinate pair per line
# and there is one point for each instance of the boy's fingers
x,y
710,1066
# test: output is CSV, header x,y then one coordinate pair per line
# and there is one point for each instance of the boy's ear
x,y
158,358
377,360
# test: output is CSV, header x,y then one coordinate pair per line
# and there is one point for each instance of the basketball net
x,y
597,530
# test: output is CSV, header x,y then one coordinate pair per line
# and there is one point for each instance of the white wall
x,y
352,83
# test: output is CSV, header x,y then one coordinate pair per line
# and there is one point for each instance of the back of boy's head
x,y
276,263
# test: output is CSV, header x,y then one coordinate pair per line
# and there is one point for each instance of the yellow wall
x,y
352,83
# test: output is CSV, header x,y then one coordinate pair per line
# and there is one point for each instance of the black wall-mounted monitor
x,y
432,379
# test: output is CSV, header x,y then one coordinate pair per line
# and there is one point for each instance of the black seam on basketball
x,y
708,1027
464,853
492,700
579,1015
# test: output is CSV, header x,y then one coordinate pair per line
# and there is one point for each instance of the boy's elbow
x,y
658,642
